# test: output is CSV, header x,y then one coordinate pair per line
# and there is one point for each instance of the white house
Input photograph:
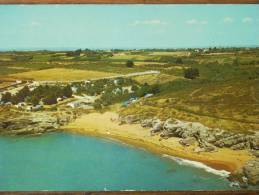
x,y
74,104
59,99
74,89
20,105
148,95
18,81
37,107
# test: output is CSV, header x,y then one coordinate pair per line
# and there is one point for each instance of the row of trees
x,y
48,95
109,97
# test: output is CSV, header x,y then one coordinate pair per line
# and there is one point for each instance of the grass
x,y
61,74
224,96
169,53
155,79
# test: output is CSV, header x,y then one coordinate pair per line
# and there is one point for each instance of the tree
x,y
34,100
155,89
21,95
179,61
129,63
77,52
67,91
134,88
191,73
97,105
50,99
6,97
143,90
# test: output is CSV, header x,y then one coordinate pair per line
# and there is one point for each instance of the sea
x,y
73,162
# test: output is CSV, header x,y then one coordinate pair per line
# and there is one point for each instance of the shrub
x,y
6,97
97,105
50,99
34,100
179,61
21,95
67,91
129,63
191,73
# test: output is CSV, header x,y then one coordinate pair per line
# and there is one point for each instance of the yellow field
x,y
155,79
61,74
173,53
144,63
132,57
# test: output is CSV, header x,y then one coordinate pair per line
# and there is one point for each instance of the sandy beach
x,y
106,125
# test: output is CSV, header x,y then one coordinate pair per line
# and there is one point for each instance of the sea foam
x,y
180,161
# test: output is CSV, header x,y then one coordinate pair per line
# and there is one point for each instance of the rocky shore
x,y
34,123
207,139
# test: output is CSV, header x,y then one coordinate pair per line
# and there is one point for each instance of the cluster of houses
x,y
135,99
28,107
24,106
83,102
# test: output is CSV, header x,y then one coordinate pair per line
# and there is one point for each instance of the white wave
x,y
180,161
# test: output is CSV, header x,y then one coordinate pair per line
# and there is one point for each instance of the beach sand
x,y
106,125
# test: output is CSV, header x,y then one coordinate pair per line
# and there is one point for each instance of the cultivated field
x,y
225,95
61,74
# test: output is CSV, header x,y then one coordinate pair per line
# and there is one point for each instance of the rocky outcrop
x,y
207,140
157,126
251,171
129,119
187,141
206,137
33,123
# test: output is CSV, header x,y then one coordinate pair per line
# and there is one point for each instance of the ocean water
x,y
66,161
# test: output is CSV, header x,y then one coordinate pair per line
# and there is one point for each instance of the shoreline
x,y
105,125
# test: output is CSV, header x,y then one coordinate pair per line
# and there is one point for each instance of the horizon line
x,y
120,48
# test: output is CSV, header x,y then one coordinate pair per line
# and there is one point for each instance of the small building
x,y
33,108
74,104
8,103
205,50
116,82
74,89
130,101
117,91
59,99
148,95
18,81
20,105
37,107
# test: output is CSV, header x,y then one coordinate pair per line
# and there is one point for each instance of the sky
x,y
27,27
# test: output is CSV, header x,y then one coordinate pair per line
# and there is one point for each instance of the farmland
x,y
224,95
61,74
